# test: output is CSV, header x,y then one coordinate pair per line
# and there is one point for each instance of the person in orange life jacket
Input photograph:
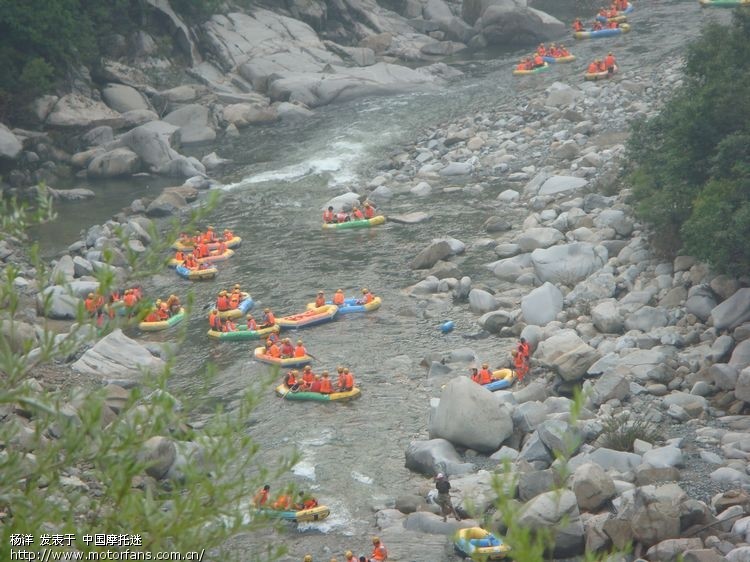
x,y
485,376
338,297
593,67
602,68
564,52
290,379
286,348
261,497
541,50
307,377
190,262
349,556
578,25
320,300
305,502
221,249
519,364
300,350
597,25
609,62
538,60
379,552
346,380
521,65
197,238
209,236
268,319
229,326
214,322
90,304
272,349
153,316
228,235
161,310
369,210
367,297
325,384
474,375
173,303
328,216
357,214
523,348
317,382
613,25
251,323
222,302
235,298
341,216
204,251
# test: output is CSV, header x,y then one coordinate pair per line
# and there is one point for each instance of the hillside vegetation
x,y
691,174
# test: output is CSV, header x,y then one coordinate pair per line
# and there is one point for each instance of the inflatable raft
x,y
308,318
284,391
725,3
552,60
211,258
245,305
501,379
517,72
162,324
364,223
260,355
352,305
242,333
478,544
303,516
231,243
599,33
603,75
196,274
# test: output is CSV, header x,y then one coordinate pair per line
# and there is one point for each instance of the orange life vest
x,y
290,379
369,212
129,300
308,378
252,324
327,216
287,349
90,304
379,552
325,386
300,351
153,316
270,318
358,214
213,321
593,68
273,350
485,377
282,502
368,298
609,61
338,299
261,498
222,303
234,300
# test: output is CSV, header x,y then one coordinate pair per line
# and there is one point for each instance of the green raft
x,y
365,223
242,333
162,324
725,3
284,391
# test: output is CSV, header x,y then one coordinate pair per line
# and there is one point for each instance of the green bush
x,y
691,163
620,432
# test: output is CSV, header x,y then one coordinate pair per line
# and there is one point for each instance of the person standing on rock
x,y
443,487
524,350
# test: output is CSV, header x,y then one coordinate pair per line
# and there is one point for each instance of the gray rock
x,y
123,98
607,317
615,219
693,405
671,550
646,319
118,358
463,407
528,415
456,169
741,355
435,455
567,354
410,218
733,311
433,253
65,300
542,305
118,162
568,264
558,512
592,486
168,203
497,224
10,146
560,437
495,321
610,386
82,267
536,453
560,94
700,302
557,185
158,454
534,238
664,457
78,111
531,484
64,270
480,301
742,387
424,522
98,136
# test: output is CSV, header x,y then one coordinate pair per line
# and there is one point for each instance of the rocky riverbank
x,y
570,269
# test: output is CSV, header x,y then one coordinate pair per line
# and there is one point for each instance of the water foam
x,y
336,164
359,477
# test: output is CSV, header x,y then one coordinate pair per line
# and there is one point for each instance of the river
x,y
353,453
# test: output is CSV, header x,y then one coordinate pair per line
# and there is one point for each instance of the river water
x,y
352,454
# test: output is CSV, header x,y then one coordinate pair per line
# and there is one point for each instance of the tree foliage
x,y
692,161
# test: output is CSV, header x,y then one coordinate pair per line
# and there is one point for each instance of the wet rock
x,y
245,114
10,146
168,203
433,253
432,524
118,162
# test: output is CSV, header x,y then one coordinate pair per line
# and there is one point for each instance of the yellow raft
x,y
363,223
231,243
196,274
603,75
211,258
317,513
260,355
352,305
242,333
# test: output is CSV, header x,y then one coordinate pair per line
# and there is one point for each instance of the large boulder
x,y
464,407
158,454
568,264
567,354
542,305
10,146
480,301
117,162
246,114
124,98
740,356
61,302
646,319
732,312
151,143
167,203
560,94
435,455
607,317
561,185
616,220
512,22
75,110
557,512
116,357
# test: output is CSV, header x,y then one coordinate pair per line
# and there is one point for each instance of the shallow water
x,y
352,454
